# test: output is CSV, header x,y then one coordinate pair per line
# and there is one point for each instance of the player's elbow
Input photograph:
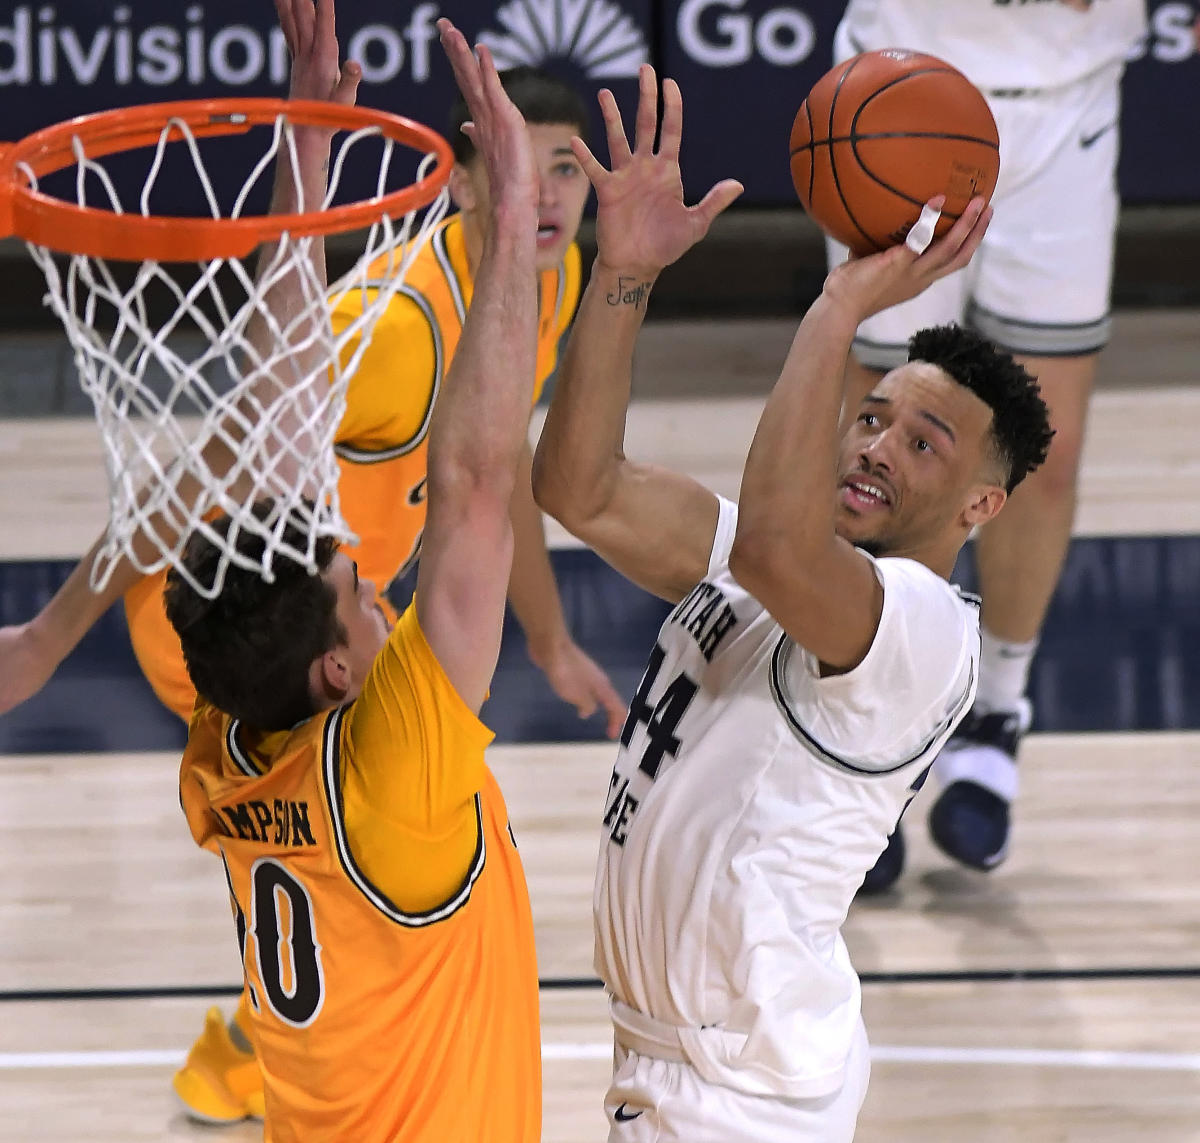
x,y
478,479
748,560
548,486
562,495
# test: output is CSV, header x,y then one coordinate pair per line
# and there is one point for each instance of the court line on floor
x,y
573,983
599,1050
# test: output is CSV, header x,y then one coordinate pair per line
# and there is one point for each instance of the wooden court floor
x,y
1056,1000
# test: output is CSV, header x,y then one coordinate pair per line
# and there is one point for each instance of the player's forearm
x,y
74,609
532,588
291,310
482,416
301,180
582,444
301,177
158,533
789,481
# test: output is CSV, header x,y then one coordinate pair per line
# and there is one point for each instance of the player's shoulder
x,y
924,654
923,603
207,721
436,273
408,689
408,666
441,264
919,579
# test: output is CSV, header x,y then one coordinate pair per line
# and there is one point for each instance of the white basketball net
x,y
163,393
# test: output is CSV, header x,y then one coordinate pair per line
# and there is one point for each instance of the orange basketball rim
x,y
71,228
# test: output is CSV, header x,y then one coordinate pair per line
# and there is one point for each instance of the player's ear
x,y
462,189
983,502
330,675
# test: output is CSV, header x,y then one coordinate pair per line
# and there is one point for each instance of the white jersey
x,y
1000,45
749,799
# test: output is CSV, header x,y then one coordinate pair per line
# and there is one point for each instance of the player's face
x,y
916,465
563,190
364,623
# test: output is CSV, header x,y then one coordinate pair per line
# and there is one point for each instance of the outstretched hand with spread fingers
x,y
879,281
310,32
496,128
642,222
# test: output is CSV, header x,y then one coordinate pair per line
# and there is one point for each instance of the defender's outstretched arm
x,y
480,422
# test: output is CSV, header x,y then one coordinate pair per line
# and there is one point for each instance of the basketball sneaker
x,y
220,1082
977,769
887,868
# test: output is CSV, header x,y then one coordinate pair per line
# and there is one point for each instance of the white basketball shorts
x,y
1039,285
666,1101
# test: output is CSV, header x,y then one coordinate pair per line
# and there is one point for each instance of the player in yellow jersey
x,y
383,437
337,767
382,451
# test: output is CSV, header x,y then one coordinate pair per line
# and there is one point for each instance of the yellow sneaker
x,y
219,1083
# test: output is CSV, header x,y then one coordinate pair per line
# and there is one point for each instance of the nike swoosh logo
x,y
1085,141
623,1116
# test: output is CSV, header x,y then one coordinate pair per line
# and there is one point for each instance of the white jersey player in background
x,y
815,662
1039,289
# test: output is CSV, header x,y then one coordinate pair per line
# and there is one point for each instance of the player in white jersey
x,y
1002,45
1039,288
815,661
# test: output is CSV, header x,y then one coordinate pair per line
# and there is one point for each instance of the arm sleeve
x,y
915,683
392,391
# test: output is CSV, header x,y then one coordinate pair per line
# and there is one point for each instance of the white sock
x,y
1003,673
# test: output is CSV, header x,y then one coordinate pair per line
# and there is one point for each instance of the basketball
x,y
880,135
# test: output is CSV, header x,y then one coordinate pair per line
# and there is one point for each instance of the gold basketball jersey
x,y
382,440
381,910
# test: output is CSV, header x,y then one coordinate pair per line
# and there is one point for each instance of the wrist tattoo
x,y
629,292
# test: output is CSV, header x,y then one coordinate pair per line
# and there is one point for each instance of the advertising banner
x,y
1161,118
744,65
76,57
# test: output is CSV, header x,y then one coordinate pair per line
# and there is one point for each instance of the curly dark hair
x,y
1021,432
538,95
249,650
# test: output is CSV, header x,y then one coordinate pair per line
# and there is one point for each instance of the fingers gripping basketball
x,y
880,135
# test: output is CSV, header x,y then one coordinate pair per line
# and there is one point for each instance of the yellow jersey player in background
x,y
336,765
383,436
382,452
